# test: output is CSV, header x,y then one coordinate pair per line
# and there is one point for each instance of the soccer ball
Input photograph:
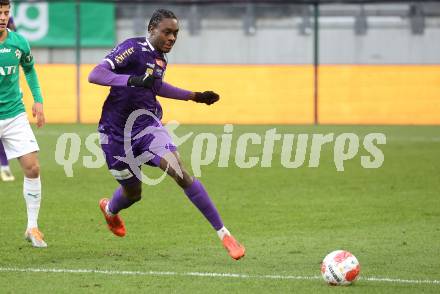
x,y
340,267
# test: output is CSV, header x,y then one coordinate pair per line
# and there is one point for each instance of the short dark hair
x,y
158,16
5,2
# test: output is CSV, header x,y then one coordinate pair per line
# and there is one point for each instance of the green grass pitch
x,y
288,219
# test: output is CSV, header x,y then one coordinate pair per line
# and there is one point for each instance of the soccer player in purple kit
x,y
134,69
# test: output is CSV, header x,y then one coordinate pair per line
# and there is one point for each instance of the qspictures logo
x,y
296,150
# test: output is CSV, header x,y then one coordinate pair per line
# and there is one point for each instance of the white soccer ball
x,y
340,267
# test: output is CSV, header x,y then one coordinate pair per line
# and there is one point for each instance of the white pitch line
x,y
401,281
201,274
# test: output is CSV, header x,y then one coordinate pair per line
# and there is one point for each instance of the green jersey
x,y
15,51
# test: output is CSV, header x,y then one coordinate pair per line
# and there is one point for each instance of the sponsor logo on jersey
x,y
5,50
7,70
121,57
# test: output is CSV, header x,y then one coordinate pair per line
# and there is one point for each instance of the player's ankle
x,y
223,232
107,210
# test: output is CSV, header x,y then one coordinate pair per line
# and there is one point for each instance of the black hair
x,y
5,2
158,16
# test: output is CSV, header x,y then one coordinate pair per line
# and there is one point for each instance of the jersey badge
x,y
18,53
160,62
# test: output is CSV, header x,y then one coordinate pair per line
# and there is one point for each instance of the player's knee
x,y
32,171
181,176
184,180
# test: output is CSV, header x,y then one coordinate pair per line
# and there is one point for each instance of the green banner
x,y
55,24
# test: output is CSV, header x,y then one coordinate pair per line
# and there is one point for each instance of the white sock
x,y
107,210
222,233
5,168
32,195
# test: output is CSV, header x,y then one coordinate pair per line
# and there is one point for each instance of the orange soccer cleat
x,y
115,223
235,249
36,237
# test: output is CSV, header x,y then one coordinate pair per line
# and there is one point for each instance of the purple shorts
x,y
124,159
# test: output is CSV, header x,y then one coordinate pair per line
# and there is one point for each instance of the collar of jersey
x,y
161,55
7,37
149,44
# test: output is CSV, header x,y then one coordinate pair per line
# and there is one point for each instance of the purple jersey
x,y
135,56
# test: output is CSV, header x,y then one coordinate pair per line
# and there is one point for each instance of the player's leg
x,y
129,191
32,195
19,142
5,171
198,195
123,197
31,187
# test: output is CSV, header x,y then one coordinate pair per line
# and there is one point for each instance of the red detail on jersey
x,y
352,275
160,62
341,256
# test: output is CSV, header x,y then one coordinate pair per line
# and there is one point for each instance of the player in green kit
x,y
5,171
15,131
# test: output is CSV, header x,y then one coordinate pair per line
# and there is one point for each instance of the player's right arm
x,y
120,57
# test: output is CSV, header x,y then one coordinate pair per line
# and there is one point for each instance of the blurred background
x,y
273,62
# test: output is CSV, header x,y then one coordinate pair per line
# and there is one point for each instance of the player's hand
x,y
207,97
144,81
37,111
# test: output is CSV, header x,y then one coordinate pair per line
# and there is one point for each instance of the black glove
x,y
207,97
145,81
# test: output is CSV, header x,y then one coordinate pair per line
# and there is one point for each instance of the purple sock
x,y
3,158
119,201
200,198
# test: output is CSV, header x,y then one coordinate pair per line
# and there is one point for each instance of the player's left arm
x,y
27,63
169,91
